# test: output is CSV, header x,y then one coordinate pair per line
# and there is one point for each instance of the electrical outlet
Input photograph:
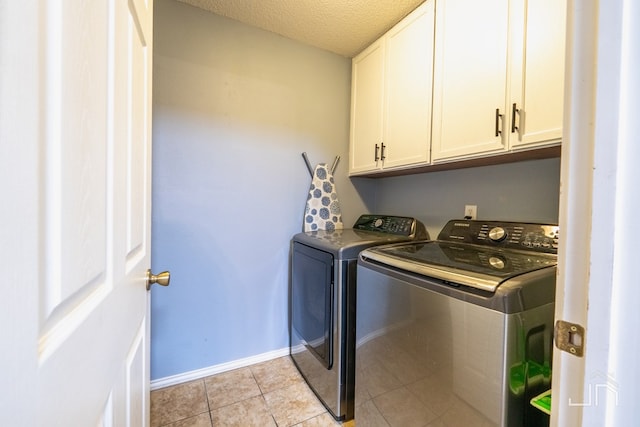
x,y
470,211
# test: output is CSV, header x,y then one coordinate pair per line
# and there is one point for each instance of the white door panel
x,y
597,258
80,326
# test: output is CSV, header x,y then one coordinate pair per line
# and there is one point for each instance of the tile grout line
x,y
206,396
262,396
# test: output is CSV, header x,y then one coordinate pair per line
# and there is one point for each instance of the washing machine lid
x,y
459,263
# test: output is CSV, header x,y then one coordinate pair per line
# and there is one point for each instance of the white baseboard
x,y
217,369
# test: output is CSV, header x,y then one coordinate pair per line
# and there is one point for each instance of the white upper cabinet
x,y
367,90
537,74
469,77
391,96
498,76
408,90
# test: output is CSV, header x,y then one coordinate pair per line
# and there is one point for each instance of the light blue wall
x,y
233,108
524,191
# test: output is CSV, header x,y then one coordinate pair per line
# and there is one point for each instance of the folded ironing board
x,y
322,211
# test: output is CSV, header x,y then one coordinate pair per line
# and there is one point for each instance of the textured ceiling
x,y
345,27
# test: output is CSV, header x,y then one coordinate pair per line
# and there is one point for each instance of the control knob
x,y
497,234
378,223
497,262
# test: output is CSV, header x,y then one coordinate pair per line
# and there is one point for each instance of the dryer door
x,y
312,302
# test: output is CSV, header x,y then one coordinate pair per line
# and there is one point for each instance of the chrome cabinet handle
x,y
382,156
514,110
161,279
498,117
375,157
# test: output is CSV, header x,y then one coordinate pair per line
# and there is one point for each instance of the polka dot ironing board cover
x,y
322,211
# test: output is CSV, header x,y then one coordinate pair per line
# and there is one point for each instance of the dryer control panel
x,y
399,225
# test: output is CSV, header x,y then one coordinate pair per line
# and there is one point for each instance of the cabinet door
x,y
537,82
367,87
408,82
470,77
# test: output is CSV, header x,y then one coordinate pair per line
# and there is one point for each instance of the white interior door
x,y
75,159
598,253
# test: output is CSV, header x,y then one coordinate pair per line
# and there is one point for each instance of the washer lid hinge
x,y
569,337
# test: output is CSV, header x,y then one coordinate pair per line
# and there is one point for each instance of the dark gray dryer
x,y
322,311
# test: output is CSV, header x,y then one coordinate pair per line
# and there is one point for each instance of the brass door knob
x,y
161,279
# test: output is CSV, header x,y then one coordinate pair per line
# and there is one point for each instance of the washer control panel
x,y
512,235
399,225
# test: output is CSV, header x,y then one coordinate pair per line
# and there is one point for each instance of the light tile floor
x,y
267,394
